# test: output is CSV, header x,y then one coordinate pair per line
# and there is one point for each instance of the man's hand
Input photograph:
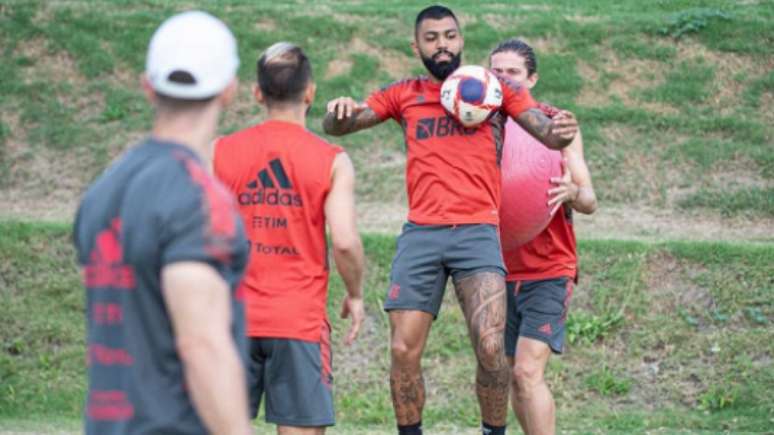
x,y
565,190
353,307
564,125
345,107
346,115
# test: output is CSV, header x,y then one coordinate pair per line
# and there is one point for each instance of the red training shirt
x,y
452,172
280,174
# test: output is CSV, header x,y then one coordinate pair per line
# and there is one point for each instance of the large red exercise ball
x,y
527,167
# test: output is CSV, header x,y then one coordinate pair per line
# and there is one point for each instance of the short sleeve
x,y
516,98
386,102
200,223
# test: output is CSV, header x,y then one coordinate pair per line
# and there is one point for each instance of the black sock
x,y
411,429
488,429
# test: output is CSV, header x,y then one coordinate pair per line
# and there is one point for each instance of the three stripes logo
x,y
267,182
271,187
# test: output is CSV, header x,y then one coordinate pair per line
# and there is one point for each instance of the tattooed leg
x,y
409,335
482,298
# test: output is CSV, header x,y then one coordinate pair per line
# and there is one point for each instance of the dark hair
x,y
435,12
284,72
521,48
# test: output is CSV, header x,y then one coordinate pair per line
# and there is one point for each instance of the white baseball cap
x,y
191,56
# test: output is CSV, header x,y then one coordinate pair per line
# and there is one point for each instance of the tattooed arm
x,y
555,133
345,116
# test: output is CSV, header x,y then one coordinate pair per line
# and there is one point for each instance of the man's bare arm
x,y
586,199
347,247
345,116
555,133
200,308
574,187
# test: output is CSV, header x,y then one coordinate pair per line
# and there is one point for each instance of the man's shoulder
x,y
239,135
409,83
320,143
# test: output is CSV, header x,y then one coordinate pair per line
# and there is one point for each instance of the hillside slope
x,y
674,97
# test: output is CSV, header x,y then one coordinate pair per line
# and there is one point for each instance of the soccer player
x,y
162,249
453,183
289,183
541,273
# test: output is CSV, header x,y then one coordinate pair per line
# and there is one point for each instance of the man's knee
x,y
490,353
405,353
527,374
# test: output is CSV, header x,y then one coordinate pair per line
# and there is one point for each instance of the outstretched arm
x,y
345,116
555,133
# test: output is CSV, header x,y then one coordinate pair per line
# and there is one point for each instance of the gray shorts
x,y
538,310
426,256
296,378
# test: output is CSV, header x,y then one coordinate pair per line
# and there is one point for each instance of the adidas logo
x,y
269,184
265,179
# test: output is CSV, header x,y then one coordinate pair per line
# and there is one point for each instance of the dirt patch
x,y
639,175
669,279
735,174
244,110
624,222
47,62
627,78
726,91
396,64
767,114
531,7
265,25
583,19
381,217
338,67
590,94
348,18
499,21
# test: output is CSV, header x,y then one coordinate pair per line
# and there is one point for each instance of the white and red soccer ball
x,y
471,94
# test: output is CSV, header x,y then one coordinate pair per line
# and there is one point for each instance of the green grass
x,y
92,106
650,369
734,201
686,85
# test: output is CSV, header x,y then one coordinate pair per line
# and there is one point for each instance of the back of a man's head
x,y
284,73
192,58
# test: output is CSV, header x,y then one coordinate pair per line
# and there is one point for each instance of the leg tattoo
x,y
482,297
408,395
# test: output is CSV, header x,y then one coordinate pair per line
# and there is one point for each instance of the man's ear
x,y
258,95
147,89
309,94
415,48
229,94
532,80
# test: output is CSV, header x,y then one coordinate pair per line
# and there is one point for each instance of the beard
x,y
441,70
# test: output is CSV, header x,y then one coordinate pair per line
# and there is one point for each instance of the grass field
x,y
674,97
670,328
665,336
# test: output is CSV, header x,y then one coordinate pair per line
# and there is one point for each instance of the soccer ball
x,y
471,94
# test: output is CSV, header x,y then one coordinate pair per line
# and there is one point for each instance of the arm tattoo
x,y
538,125
359,121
